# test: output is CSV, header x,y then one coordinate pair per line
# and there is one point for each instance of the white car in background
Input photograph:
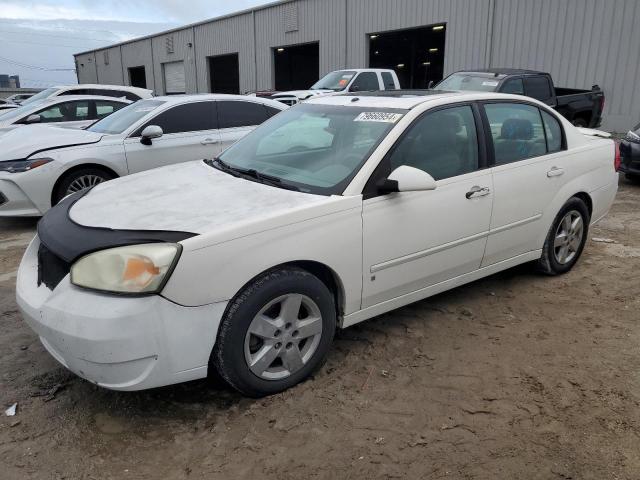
x,y
68,111
340,81
246,264
117,91
40,165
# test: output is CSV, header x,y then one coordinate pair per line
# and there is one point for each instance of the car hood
x,y
27,140
188,197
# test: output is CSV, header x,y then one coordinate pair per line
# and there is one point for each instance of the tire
x,y
237,346
580,123
71,182
553,260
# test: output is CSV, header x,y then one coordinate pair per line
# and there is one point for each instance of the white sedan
x,y
40,165
77,111
247,263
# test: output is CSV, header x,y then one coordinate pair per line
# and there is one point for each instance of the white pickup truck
x,y
352,80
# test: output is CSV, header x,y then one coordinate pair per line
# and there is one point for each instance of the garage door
x,y
174,81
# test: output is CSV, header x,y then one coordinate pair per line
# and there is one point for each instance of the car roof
x,y
66,98
404,99
503,71
194,97
103,87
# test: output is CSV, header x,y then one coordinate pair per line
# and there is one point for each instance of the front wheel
x,y
566,238
275,333
79,181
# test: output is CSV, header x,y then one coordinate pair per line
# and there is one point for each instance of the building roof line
x,y
190,25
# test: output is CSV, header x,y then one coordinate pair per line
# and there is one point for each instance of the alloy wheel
x,y
283,336
568,237
84,182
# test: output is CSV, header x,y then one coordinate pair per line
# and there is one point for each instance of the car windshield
x,y
40,96
313,148
121,120
478,82
336,81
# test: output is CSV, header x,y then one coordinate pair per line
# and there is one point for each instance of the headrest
x,y
517,129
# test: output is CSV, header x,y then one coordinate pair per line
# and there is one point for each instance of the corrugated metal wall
x,y
229,35
580,42
138,54
109,66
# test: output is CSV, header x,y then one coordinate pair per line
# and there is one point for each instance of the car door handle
x,y
477,191
209,141
555,172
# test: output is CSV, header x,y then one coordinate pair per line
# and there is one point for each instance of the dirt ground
x,y
514,376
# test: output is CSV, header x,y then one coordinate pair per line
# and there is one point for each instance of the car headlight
x,y
135,269
17,166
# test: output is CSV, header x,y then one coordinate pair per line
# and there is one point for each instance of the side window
x,y
65,112
516,130
365,82
240,114
554,132
387,80
514,86
538,88
189,117
105,108
442,143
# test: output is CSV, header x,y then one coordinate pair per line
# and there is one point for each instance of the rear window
x,y
538,88
477,82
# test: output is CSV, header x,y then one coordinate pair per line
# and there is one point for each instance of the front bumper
x,y
117,342
14,202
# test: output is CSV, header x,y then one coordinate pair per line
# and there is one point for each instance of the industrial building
x,y
290,44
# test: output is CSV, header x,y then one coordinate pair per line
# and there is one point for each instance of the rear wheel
x,y
79,181
566,238
275,333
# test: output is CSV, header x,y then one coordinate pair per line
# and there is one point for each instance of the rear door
x,y
413,240
189,133
529,168
236,118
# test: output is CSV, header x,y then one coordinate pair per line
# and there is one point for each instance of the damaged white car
x,y
332,212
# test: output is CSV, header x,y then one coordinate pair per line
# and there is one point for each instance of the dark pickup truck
x,y
583,108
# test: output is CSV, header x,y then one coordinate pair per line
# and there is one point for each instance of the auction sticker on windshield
x,y
384,117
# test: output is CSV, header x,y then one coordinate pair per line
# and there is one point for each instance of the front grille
x,y
51,268
3,199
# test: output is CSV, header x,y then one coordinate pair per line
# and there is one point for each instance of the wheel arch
x,y
323,272
75,168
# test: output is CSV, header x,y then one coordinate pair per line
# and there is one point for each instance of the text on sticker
x,y
384,117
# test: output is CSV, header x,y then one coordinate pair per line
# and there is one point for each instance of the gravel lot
x,y
514,376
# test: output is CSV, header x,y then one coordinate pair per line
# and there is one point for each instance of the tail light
x,y
617,160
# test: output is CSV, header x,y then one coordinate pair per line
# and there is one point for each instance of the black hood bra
x,y
69,240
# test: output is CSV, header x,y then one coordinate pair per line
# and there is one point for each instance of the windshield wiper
x,y
251,174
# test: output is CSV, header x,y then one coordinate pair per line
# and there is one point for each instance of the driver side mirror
x,y
149,133
431,84
33,119
407,179
354,88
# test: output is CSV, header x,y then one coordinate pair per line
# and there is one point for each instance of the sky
x,y
38,38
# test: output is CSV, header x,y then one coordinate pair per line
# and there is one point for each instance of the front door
x,y
413,240
189,133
